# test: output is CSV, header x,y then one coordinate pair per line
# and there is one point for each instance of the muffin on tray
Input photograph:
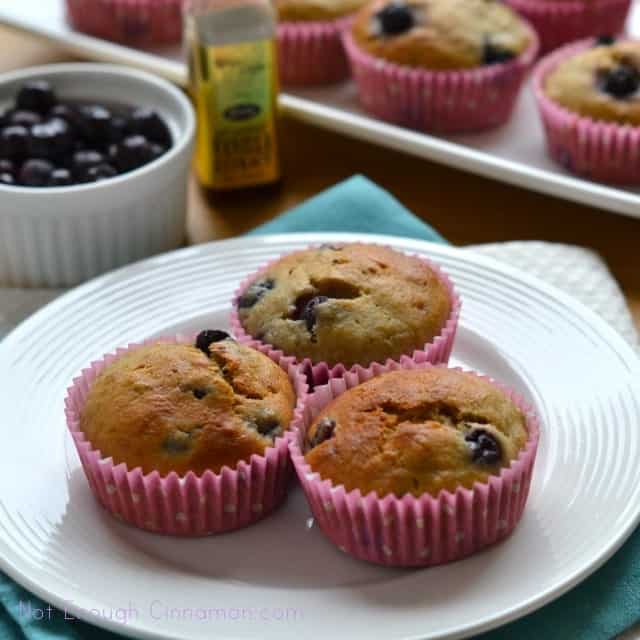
x,y
139,23
589,99
440,65
559,22
309,40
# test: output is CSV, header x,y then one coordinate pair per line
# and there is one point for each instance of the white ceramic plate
x,y
514,153
54,539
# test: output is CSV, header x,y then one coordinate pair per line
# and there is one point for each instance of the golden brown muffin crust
x,y
408,432
169,407
446,34
577,83
374,303
315,10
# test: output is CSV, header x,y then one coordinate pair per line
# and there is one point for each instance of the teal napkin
x,y
356,205
602,606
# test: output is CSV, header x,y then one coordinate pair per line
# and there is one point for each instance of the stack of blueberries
x,y
45,142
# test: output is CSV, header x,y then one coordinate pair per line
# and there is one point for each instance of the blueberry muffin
x,y
558,22
602,83
441,34
180,407
315,10
349,304
415,432
137,23
310,50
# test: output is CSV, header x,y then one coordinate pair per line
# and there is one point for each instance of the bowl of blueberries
x,y
94,167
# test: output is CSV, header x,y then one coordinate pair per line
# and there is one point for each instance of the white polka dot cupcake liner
x,y
438,101
311,53
437,351
138,22
561,21
191,504
411,531
594,149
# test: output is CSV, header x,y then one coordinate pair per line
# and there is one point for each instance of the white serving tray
x,y
514,153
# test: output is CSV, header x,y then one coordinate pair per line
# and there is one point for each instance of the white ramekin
x,y
56,237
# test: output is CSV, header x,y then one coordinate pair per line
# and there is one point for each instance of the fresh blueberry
x,y
25,118
207,337
50,139
395,18
149,123
96,123
7,178
621,81
60,177
254,292
131,153
604,41
485,449
324,431
14,142
40,142
82,161
68,114
118,129
100,172
495,54
36,95
36,172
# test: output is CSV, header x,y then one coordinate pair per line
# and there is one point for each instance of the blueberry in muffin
x,y
441,34
180,407
349,304
416,431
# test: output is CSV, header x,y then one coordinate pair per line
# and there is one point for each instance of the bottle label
x,y
234,88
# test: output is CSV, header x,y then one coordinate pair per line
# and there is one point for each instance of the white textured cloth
x,y
579,272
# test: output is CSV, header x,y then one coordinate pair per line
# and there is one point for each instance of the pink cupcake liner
x,y
594,149
438,101
311,53
189,505
318,373
410,531
561,21
139,22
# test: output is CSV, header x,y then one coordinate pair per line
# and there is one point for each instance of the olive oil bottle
x,y
233,76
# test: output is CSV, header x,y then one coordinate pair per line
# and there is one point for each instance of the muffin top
x,y
314,10
351,303
441,34
177,407
602,83
416,431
